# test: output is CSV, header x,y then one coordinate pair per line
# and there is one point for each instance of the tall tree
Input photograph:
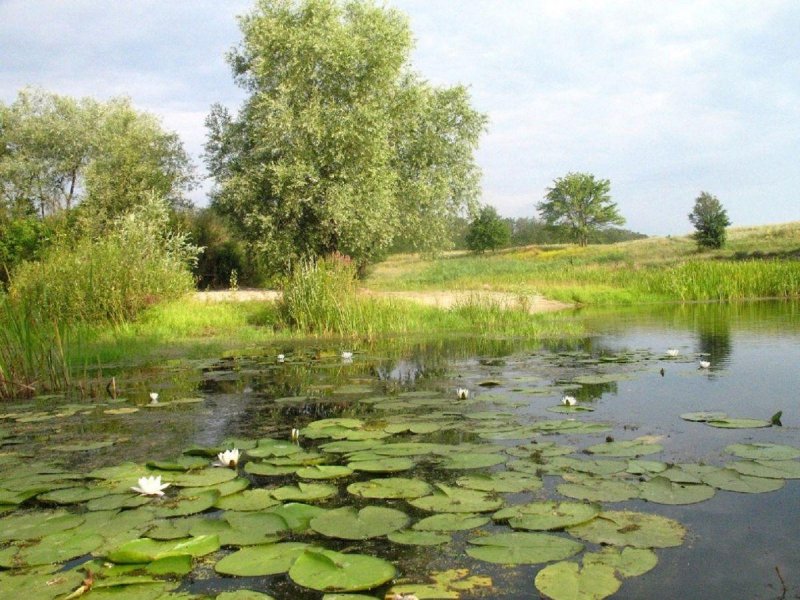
x,y
710,220
580,204
487,231
339,147
57,152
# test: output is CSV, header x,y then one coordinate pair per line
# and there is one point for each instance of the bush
x,y
487,231
109,279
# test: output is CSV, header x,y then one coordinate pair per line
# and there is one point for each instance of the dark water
x,y
739,545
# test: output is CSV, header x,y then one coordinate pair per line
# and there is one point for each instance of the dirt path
x,y
443,299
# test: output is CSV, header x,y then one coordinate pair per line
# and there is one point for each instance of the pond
x,y
615,464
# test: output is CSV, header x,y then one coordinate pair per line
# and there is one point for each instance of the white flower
x,y
568,401
153,397
229,458
346,356
281,358
704,364
295,434
462,393
673,352
150,486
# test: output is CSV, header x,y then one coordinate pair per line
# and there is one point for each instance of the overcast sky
x,y
665,99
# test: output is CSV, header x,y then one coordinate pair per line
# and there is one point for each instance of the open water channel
x,y
649,434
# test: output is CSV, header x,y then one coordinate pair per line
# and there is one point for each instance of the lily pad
x,y
457,500
305,491
147,550
703,416
59,547
569,581
771,469
351,524
248,500
628,562
733,481
504,482
730,423
761,451
626,528
324,472
390,488
522,548
267,523
599,490
451,522
625,449
268,470
472,460
31,526
384,465
329,571
202,478
243,595
445,585
297,515
418,538
547,515
187,505
663,491
256,561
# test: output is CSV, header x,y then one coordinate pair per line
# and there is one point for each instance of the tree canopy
x,y
57,152
710,220
339,146
487,231
580,204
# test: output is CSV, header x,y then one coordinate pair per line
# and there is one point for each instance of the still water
x,y
737,545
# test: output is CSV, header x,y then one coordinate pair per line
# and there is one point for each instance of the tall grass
x,y
32,351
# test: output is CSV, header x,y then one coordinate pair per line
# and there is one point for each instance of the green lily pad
x,y
328,571
733,481
351,524
59,547
171,565
268,470
33,526
268,448
576,408
268,523
203,477
75,495
625,528
663,491
243,595
628,562
324,472
451,522
730,423
418,538
560,464
384,465
599,490
256,561
39,583
703,416
446,585
187,505
229,535
568,581
540,450
390,488
345,446
82,446
625,449
420,427
457,500
147,550
472,460
503,482
522,548
297,515
305,491
547,515
763,451
116,502
248,500
771,469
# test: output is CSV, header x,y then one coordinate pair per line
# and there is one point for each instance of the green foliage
x,y
339,147
487,231
57,152
113,277
20,239
710,220
581,204
223,254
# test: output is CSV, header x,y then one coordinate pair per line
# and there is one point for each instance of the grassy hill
x,y
757,262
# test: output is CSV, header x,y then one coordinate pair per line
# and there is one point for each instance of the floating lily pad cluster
x,y
416,468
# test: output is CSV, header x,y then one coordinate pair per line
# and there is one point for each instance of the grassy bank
x,y
758,262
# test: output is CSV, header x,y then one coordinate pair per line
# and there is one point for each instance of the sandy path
x,y
443,299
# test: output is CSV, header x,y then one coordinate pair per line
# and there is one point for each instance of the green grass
x,y
758,262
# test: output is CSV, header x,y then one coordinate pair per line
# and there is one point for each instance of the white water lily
x,y
150,486
569,401
347,355
295,434
281,358
462,393
673,352
704,364
229,458
153,397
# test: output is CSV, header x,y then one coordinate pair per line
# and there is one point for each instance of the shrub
x,y
487,231
111,278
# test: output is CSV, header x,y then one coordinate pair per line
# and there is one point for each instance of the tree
x,y
710,220
580,204
339,146
57,152
487,231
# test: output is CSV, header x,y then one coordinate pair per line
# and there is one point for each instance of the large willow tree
x,y
339,146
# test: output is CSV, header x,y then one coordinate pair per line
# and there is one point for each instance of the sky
x,y
664,99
